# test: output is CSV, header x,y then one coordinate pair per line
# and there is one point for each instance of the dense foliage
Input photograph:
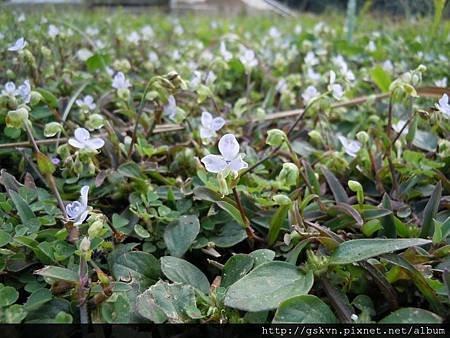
x,y
258,169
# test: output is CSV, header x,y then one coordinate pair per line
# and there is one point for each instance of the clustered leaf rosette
x,y
230,160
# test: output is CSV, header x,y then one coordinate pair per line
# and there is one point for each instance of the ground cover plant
x,y
197,170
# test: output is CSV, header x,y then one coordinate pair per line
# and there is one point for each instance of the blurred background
x,y
406,8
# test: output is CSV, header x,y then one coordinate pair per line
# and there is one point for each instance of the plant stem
x,y
389,149
248,228
83,280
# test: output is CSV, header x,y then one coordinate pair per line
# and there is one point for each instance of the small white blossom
x,y
170,109
147,32
134,38
309,94
351,147
53,31
388,66
9,89
312,75
227,56
354,317
120,82
92,31
83,54
298,29
77,211
371,47
274,33
21,17
178,30
230,159
441,83
336,89
153,57
18,45
83,140
87,103
311,59
281,86
196,79
210,125
443,106
210,78
24,91
248,58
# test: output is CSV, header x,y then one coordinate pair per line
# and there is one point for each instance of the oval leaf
x,y
304,309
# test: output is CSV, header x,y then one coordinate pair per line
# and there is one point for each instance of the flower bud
x,y
123,65
17,118
362,137
52,128
316,136
289,174
35,98
95,121
276,137
85,245
96,229
46,52
355,186
282,199
123,93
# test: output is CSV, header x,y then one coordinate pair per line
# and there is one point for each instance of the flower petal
x,y
206,133
84,196
218,123
95,143
75,143
214,163
229,147
237,164
207,119
82,134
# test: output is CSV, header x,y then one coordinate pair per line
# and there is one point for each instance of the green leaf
x,y
181,271
411,315
131,170
59,273
262,256
388,221
8,296
162,302
14,314
97,61
232,211
137,266
430,211
23,209
304,309
45,165
360,249
179,235
49,98
311,176
267,286
5,238
336,187
381,78
350,211
235,268
117,312
276,222
231,233
38,298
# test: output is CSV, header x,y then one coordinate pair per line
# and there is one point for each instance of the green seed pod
x,y
52,128
17,118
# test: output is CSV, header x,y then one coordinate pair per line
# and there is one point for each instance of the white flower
x,y
224,52
133,38
210,78
24,91
399,126
281,86
443,106
77,211
18,45
309,94
312,75
92,31
147,32
351,147
230,160
87,103
336,89
83,54
170,109
178,30
248,58
388,66
153,57
274,33
311,59
371,47
354,317
210,125
441,83
83,140
53,31
298,29
21,17
120,82
196,80
10,89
